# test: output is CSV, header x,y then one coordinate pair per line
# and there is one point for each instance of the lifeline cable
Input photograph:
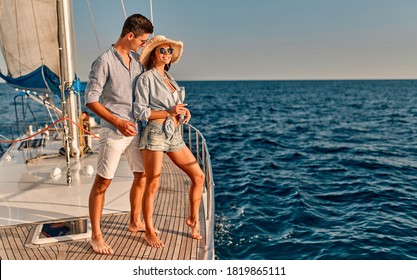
x,y
47,128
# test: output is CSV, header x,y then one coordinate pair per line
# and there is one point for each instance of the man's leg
x,y
111,148
95,206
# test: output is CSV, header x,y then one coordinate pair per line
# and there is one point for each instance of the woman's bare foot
x,y
100,246
137,225
153,240
195,228
140,228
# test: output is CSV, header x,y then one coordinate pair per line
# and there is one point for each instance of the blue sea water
x,y
308,169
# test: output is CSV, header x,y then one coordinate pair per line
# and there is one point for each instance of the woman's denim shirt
x,y
151,93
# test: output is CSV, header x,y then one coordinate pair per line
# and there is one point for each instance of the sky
x,y
266,39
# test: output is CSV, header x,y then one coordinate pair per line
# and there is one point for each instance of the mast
x,y
151,10
67,76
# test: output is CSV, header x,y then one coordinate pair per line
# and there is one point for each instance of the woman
x,y
157,101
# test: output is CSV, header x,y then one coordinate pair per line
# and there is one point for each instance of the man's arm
x,y
127,128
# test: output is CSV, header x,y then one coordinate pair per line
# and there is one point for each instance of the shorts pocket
x,y
155,131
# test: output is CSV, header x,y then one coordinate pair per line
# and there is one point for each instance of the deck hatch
x,y
61,231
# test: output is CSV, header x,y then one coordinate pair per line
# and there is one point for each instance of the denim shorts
x,y
154,139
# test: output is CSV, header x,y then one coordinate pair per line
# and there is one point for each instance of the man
x,y
109,95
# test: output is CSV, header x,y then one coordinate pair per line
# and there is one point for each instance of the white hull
x,y
29,194
30,198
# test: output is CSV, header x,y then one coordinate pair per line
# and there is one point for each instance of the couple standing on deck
x,y
123,97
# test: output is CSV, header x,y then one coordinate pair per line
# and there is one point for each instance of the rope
x,y
44,78
18,41
94,24
37,35
46,128
151,10
123,7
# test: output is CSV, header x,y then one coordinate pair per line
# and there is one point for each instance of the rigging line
x,y
74,42
44,78
53,108
37,34
2,45
57,113
50,114
18,41
94,24
49,105
151,10
123,7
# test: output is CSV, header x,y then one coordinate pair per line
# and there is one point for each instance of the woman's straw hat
x,y
159,40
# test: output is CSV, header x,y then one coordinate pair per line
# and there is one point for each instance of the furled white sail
x,y
29,35
36,38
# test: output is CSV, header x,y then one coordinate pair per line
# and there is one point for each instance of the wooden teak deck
x,y
171,210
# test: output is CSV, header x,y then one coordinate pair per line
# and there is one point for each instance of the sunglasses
x,y
164,51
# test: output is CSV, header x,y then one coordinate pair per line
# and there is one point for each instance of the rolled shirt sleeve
x,y
141,108
96,81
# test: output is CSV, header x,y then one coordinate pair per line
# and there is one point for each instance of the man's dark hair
x,y
138,25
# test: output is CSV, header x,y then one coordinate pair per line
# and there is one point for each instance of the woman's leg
x,y
136,198
153,166
186,161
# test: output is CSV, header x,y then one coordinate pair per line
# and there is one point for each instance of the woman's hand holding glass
x,y
187,116
178,109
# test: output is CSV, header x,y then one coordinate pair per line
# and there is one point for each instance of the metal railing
x,y
198,146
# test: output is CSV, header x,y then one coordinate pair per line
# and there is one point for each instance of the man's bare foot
x,y
153,240
195,228
100,246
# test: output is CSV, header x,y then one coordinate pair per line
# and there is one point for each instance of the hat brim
x,y
157,41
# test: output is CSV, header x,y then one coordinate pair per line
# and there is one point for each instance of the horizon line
x,y
282,80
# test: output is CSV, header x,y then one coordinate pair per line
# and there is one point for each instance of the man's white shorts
x,y
112,145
